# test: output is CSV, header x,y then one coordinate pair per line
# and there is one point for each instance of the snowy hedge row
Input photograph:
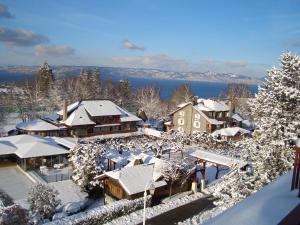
x,y
103,214
137,216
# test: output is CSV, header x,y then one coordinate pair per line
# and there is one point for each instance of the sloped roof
x,y
69,108
38,125
79,117
230,131
28,146
237,117
134,179
180,106
211,105
101,108
217,158
80,112
210,120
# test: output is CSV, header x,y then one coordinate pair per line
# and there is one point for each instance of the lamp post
x,y
151,187
296,172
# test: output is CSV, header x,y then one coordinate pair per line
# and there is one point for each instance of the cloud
x,y
236,64
129,45
160,61
293,43
54,50
4,13
21,37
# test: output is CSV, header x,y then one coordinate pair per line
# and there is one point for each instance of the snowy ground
x,y
15,184
10,122
68,191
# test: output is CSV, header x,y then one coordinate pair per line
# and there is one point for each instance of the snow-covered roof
x,y
69,108
80,112
29,146
183,104
210,120
230,131
67,142
217,158
101,108
134,179
211,105
38,125
269,205
79,117
237,117
180,106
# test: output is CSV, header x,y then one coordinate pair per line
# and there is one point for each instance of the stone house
x,y
205,115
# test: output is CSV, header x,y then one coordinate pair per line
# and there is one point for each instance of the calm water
x,y
201,89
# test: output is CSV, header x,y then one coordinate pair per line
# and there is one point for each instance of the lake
x,y
199,88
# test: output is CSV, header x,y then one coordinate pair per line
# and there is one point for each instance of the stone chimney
x,y
230,106
65,110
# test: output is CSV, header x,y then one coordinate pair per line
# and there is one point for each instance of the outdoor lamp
x,y
151,188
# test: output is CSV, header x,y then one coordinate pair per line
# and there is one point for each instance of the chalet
x,y
130,182
231,133
81,119
205,115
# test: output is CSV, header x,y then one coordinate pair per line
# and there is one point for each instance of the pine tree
x,y
44,79
86,159
276,112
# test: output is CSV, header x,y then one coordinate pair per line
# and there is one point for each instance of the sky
x,y
242,37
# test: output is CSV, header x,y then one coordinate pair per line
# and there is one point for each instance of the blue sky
x,y
244,37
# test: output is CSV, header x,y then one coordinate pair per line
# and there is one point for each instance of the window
x,y
181,113
196,124
180,129
181,121
197,116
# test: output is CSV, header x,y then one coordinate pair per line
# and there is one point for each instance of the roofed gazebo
x,y
204,157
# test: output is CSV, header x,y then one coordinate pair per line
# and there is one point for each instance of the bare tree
x,y
181,94
173,170
148,100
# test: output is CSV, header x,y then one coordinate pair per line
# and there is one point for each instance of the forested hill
x,y
17,73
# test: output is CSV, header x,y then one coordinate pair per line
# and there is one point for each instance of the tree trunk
x,y
171,188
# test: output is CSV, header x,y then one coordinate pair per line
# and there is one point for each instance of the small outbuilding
x,y
32,151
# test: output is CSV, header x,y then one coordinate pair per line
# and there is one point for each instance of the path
x,y
182,212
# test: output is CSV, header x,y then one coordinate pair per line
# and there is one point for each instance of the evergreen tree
x,y
44,79
276,111
86,159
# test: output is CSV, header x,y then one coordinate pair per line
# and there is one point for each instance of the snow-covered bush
x,y
86,159
5,199
103,214
12,215
75,207
42,201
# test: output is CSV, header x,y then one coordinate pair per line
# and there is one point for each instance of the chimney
x,y
230,106
65,111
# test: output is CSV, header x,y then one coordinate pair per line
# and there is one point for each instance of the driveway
x,y
14,183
